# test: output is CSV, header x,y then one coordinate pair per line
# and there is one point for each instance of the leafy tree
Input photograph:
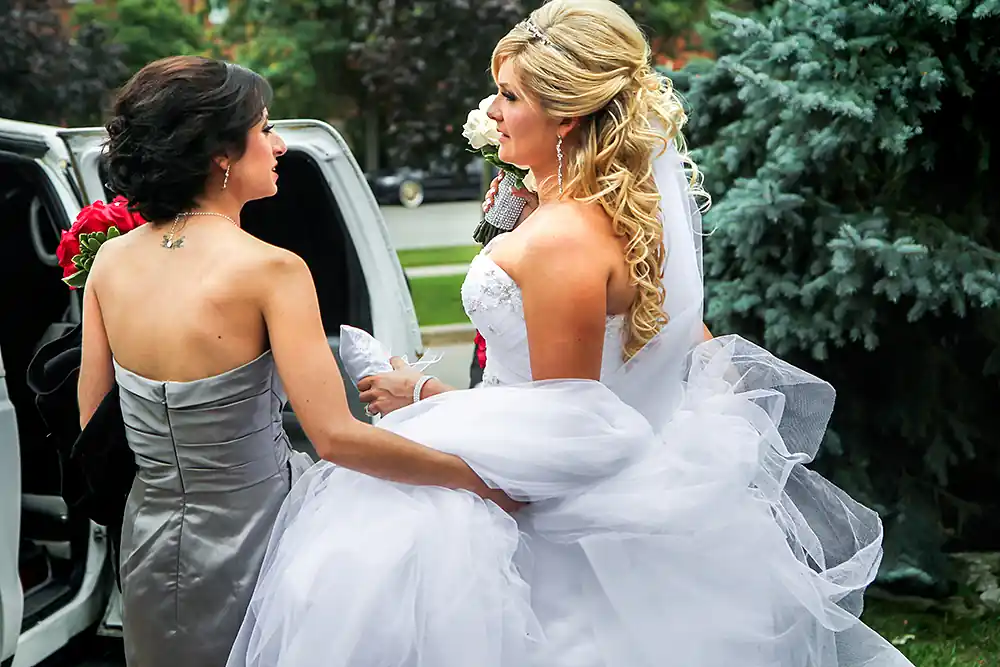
x,y
405,71
852,150
49,74
411,70
426,62
667,20
302,48
147,30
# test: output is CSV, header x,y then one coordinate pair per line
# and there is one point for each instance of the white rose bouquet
x,y
484,138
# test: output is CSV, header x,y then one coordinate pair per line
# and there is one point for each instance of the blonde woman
x,y
668,518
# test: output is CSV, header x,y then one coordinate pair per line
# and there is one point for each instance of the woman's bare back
x,y
187,312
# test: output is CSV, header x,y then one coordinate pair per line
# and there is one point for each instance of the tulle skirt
x,y
672,521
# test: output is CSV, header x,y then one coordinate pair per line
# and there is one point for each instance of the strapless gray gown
x,y
214,467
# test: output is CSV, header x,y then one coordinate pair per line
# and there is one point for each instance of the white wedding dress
x,y
672,519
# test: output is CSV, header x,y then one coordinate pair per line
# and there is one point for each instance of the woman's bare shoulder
x,y
262,265
270,257
571,229
109,256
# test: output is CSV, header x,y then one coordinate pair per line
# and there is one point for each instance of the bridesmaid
x,y
194,321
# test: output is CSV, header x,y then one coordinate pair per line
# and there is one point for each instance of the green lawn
x,y
936,639
438,300
437,256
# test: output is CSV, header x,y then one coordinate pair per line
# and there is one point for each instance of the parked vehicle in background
x,y
410,187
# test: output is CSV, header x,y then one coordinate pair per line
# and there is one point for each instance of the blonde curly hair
x,y
588,59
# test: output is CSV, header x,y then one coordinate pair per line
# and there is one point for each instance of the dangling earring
x,y
225,181
559,154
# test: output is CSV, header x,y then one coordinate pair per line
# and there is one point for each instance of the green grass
x,y
936,639
438,300
437,256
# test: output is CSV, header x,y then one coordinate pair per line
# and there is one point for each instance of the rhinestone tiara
x,y
535,31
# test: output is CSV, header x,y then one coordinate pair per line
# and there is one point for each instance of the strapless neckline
x,y
266,355
484,254
492,301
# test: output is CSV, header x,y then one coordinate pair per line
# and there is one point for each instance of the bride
x,y
668,517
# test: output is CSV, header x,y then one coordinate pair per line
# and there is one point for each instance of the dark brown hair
x,y
169,122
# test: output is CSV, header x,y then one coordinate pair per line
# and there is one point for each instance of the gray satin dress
x,y
214,467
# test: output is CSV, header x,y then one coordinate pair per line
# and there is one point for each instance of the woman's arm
x,y
315,389
97,374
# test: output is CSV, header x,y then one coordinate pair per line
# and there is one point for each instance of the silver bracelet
x,y
419,386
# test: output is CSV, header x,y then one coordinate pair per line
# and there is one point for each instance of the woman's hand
x,y
529,197
492,192
505,502
386,392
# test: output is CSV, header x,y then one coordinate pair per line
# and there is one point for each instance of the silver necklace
x,y
168,239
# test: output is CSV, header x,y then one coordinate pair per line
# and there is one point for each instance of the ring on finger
x,y
369,411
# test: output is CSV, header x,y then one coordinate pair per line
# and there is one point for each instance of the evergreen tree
x,y
852,151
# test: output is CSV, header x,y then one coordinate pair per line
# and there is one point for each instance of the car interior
x,y
305,218
38,307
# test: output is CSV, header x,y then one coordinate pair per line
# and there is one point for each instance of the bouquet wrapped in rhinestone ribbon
x,y
484,137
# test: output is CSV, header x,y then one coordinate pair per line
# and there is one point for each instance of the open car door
x,y
325,213
11,598
52,583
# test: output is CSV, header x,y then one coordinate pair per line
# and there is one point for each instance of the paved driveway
x,y
432,225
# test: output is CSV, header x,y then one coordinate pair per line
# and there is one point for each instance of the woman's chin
x,y
264,192
505,154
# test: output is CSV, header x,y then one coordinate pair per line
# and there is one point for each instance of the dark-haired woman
x,y
196,321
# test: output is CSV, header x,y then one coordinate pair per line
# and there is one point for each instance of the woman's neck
x,y
222,204
548,185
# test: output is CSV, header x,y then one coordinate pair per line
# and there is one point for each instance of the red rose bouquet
x,y
93,226
481,350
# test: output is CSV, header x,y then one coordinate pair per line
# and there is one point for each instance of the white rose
x,y
529,181
479,128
